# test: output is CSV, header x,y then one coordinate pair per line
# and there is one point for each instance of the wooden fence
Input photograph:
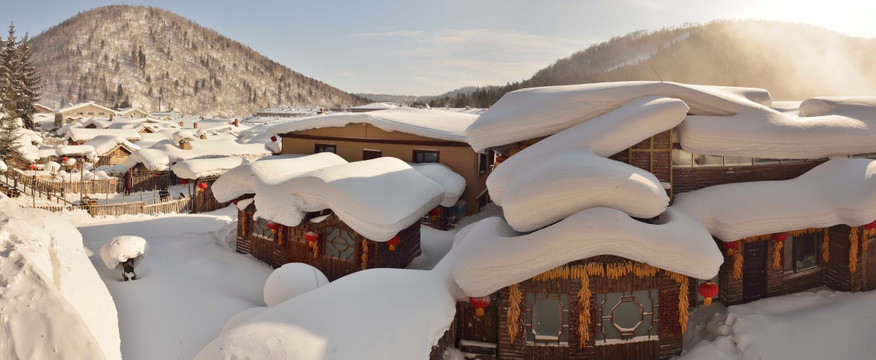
x,y
183,205
106,186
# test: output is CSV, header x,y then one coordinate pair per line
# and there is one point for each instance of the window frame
x,y
332,246
321,147
790,262
529,318
424,152
256,225
485,159
651,334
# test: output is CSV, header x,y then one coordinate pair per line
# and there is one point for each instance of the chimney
x,y
180,124
59,119
236,122
111,116
195,125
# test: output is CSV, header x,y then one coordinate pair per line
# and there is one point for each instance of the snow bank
x,y
493,255
840,191
201,168
377,198
121,248
436,124
453,183
240,180
542,111
52,298
291,280
382,314
564,184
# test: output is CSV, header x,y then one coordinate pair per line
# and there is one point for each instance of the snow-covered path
x,y
187,286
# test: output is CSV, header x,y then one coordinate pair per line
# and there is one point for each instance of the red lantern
x,y
393,243
730,244
312,237
479,302
708,290
234,202
273,139
870,226
202,186
184,181
435,211
780,237
501,158
65,159
32,166
273,226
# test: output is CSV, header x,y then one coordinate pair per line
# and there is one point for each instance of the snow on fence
x,y
183,205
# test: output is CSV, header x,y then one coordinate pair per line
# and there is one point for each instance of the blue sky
x,y
429,47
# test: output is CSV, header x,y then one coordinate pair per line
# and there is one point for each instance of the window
x,y
318,148
626,316
260,228
801,252
100,113
371,154
425,156
547,319
340,244
91,113
484,161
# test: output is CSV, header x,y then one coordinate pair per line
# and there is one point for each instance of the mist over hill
x,y
792,61
140,54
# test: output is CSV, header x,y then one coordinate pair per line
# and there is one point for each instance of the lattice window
x,y
801,252
547,319
260,228
627,316
340,244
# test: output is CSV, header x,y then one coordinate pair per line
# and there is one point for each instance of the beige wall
x,y
94,110
354,138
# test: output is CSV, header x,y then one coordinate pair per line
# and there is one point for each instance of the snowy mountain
x,y
792,61
140,54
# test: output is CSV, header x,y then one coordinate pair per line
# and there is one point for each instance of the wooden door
x,y
754,265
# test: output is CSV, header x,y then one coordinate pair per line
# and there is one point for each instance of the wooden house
x,y
111,150
85,110
412,135
287,221
42,109
199,175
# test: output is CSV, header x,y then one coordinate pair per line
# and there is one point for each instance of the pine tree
x,y
28,80
8,124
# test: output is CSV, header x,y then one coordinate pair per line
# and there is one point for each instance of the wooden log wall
x,y
448,340
836,270
686,179
478,328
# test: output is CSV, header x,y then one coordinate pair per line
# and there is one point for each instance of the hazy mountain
x,y
409,99
792,61
112,53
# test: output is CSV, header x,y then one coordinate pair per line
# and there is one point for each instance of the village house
x,y
111,149
42,109
132,112
82,111
338,216
199,175
412,135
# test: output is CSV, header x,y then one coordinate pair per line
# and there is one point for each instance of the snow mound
x,y
52,166
453,183
840,191
493,255
53,300
563,184
241,317
604,135
291,280
856,106
121,248
240,180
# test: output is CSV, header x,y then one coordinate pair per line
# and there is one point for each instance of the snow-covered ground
x,y
817,324
188,285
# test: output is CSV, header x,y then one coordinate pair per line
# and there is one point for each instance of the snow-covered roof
x,y
81,134
495,256
76,150
560,175
105,143
202,168
453,183
840,191
160,155
535,112
240,180
54,302
377,198
436,124
84,104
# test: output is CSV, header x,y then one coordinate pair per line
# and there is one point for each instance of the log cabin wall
x,y
478,328
289,245
204,199
669,334
837,274
653,155
115,156
686,179
729,288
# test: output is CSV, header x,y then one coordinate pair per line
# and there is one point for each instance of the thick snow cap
x,y
240,180
496,256
54,302
104,143
453,183
202,168
377,198
542,111
121,248
840,191
436,124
